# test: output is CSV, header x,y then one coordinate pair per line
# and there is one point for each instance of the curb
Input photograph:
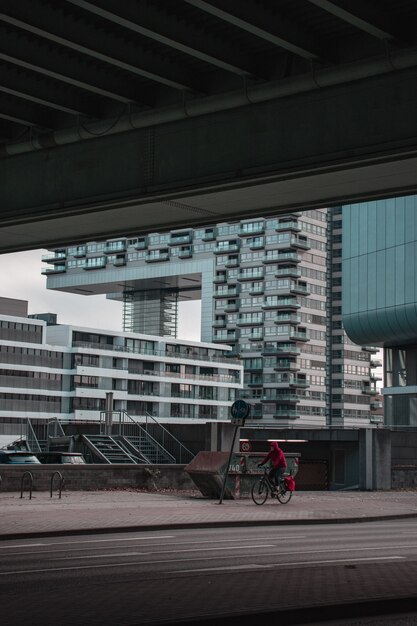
x,y
212,524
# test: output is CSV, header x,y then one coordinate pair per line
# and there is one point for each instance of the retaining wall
x,y
404,477
95,477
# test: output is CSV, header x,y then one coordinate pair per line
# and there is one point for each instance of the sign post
x,y
239,412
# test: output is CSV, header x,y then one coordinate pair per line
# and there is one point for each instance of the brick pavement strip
x,y
86,511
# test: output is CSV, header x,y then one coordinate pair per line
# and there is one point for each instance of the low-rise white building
x,y
68,372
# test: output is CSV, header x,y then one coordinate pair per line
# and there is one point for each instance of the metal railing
x,y
37,436
151,432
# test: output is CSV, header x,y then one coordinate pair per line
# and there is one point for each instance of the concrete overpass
x,y
117,117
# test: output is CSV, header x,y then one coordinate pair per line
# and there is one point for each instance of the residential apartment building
x,y
269,287
67,371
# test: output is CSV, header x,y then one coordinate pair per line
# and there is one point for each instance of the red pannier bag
x,y
289,483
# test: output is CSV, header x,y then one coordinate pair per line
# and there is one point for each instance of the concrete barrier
x,y
92,477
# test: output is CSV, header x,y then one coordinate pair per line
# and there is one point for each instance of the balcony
x,y
209,235
155,256
232,307
286,365
95,263
374,377
55,256
256,383
57,269
287,318
281,257
255,275
77,252
299,336
376,405
281,303
302,383
376,419
283,226
185,253
288,413
141,244
285,381
257,245
219,324
285,397
376,363
251,230
290,272
370,390
220,279
257,291
226,293
225,337
300,242
119,260
301,289
226,249
256,336
281,350
234,262
179,240
112,247
251,320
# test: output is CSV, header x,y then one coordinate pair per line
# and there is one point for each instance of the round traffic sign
x,y
240,409
245,446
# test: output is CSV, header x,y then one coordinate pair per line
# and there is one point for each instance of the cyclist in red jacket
x,y
278,462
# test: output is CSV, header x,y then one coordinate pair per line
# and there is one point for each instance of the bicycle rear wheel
x,y
259,492
283,495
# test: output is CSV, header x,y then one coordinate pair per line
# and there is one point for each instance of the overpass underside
x,y
116,119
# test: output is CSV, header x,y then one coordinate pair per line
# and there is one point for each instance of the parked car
x,y
14,457
66,458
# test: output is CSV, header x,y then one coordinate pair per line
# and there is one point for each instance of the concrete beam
x,y
330,146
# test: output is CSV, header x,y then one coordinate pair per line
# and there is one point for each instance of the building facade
x,y
269,287
66,372
380,295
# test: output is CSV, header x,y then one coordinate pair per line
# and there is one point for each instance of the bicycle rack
x,y
61,482
30,476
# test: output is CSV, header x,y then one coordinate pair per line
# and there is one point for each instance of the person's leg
x,y
276,477
279,474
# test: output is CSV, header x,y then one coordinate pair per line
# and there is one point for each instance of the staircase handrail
x,y
145,432
31,437
93,447
57,425
182,446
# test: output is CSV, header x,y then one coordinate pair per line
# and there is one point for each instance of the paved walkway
x,y
114,510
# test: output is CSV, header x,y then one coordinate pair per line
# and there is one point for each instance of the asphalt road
x,y
206,574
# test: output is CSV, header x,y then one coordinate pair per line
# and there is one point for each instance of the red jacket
x,y
277,457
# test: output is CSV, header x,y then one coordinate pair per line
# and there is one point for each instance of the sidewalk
x,y
80,512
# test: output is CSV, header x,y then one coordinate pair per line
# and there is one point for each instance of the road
x,y
163,577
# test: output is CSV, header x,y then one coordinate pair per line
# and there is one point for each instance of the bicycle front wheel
x,y
259,492
283,495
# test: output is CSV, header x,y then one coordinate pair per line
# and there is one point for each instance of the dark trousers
x,y
276,473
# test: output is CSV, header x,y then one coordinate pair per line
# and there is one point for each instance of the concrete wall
x,y
404,447
95,477
404,460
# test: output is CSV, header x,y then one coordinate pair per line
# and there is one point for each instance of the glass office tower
x,y
270,287
380,294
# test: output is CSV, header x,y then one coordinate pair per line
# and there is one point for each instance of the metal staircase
x,y
121,440
150,441
113,449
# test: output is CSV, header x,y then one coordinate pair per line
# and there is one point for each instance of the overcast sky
x,y
21,278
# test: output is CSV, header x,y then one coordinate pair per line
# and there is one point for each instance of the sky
x,y
21,278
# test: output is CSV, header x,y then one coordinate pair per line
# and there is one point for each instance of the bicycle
x,y
265,487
